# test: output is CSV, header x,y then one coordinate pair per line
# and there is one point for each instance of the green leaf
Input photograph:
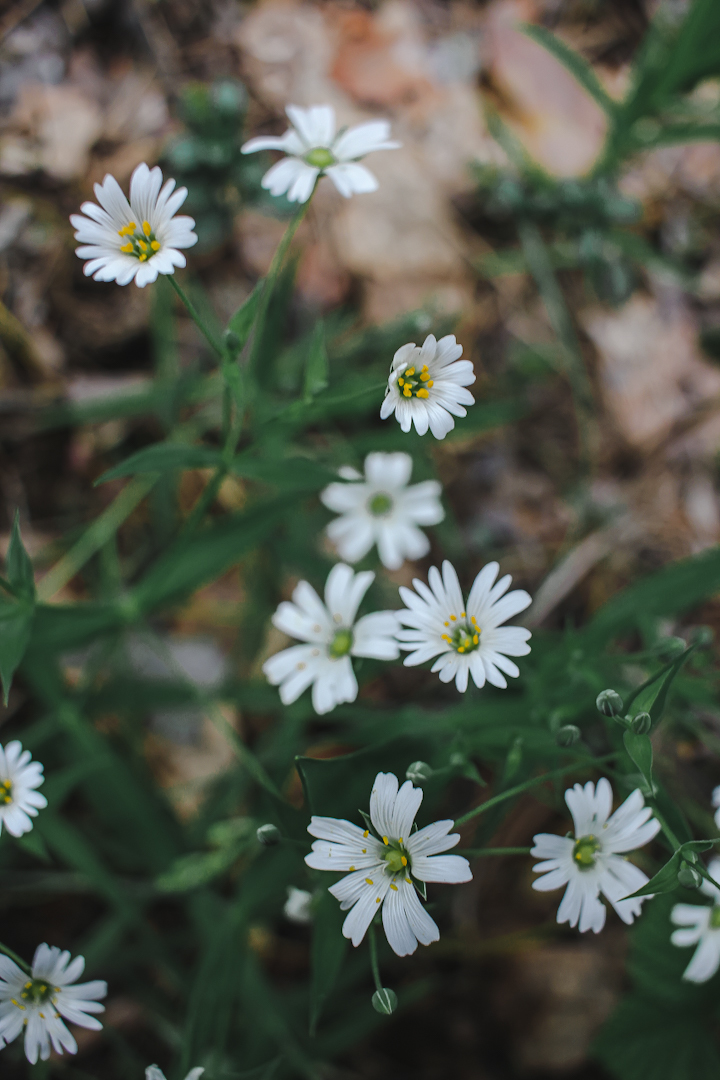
x,y
664,881
328,950
19,567
574,63
16,621
242,321
33,843
639,748
196,869
317,367
164,457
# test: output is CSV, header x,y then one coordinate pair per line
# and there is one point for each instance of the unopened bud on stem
x,y
419,772
567,735
642,723
688,877
385,1001
269,835
609,703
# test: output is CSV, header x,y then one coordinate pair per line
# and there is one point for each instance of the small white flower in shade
x,y
700,925
38,1002
315,149
590,863
154,1073
332,635
427,384
716,804
19,778
382,869
138,239
467,638
298,906
383,509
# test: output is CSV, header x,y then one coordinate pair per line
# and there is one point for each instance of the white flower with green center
x,y
591,862
20,776
333,634
135,240
314,149
388,865
383,509
466,637
427,384
154,1073
38,1003
700,925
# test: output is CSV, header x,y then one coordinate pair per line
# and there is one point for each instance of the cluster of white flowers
x,y
700,924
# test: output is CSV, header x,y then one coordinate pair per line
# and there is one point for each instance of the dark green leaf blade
x,y
15,629
19,566
639,748
317,367
664,881
574,63
163,457
328,950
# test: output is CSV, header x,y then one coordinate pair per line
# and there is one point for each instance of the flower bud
x,y
385,1001
269,835
609,703
232,342
567,735
703,636
418,772
670,648
688,877
642,723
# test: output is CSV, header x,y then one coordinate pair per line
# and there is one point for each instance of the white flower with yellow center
x,y
382,509
19,799
382,869
591,862
39,1002
332,633
315,149
427,384
138,239
467,638
700,925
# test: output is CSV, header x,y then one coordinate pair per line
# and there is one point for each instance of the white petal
x,y
448,869
352,179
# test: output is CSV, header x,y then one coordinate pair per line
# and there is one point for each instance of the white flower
x,y
298,906
589,863
382,868
154,1073
333,635
37,1002
383,510
467,638
427,385
137,239
19,777
314,149
700,926
716,804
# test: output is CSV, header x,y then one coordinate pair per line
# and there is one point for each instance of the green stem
x,y
477,853
374,959
248,759
520,788
14,956
197,318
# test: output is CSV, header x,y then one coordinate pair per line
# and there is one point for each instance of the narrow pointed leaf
x,y
164,457
16,621
317,367
639,748
19,566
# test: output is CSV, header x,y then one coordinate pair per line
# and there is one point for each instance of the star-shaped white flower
x,y
467,638
133,240
332,635
427,384
700,925
590,863
154,1073
38,1002
19,778
383,509
382,869
314,149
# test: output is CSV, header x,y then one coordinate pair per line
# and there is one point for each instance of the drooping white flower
x,y
590,863
383,509
19,778
315,149
383,869
154,1073
427,384
332,635
133,240
700,925
716,804
298,906
467,638
38,1002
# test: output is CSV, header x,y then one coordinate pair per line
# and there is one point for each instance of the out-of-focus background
x,y
591,312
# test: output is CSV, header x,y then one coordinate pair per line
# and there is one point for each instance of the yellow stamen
x,y
352,867
476,639
446,637
407,392
462,614
453,618
364,851
393,887
473,619
377,899
142,245
422,393
366,833
410,371
461,648
142,258
401,382
408,881
127,248
155,245
385,840
400,840
403,860
430,382
368,880
147,229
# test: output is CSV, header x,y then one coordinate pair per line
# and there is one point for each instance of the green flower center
x,y
412,385
341,644
141,240
397,860
462,636
715,917
6,792
380,505
320,157
584,852
37,992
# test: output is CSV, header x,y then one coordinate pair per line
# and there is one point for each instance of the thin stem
x,y
248,759
520,788
374,959
476,853
197,318
14,956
